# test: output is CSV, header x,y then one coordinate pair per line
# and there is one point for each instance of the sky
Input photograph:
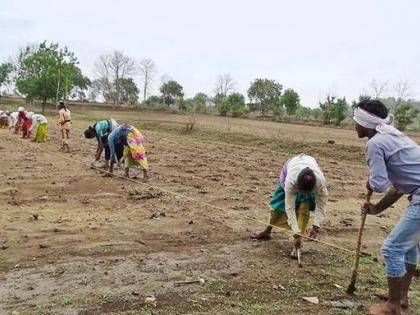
x,y
315,47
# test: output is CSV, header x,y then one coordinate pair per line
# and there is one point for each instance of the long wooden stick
x,y
352,285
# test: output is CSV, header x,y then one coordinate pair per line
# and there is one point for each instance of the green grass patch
x,y
64,301
105,297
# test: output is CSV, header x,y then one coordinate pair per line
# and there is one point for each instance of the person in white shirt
x,y
301,189
4,119
40,124
13,119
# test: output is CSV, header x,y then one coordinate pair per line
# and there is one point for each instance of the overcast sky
x,y
311,46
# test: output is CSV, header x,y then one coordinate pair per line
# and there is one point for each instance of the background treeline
x,y
47,72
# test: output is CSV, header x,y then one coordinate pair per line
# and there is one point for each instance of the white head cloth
x,y
371,121
21,109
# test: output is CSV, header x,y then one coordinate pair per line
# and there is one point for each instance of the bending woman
x,y
40,124
101,130
134,152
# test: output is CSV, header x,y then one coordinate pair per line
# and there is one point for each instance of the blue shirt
x,y
118,137
394,160
102,128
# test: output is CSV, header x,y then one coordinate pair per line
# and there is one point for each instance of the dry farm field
x,y
75,242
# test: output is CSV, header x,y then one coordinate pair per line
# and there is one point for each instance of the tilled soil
x,y
75,242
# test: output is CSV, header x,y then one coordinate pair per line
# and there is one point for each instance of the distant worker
x,y
24,121
64,124
13,120
301,189
134,152
40,125
101,130
4,119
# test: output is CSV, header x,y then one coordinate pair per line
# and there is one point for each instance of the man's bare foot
x,y
294,254
384,309
384,297
262,236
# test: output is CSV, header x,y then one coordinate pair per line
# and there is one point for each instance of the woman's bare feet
x,y
262,236
384,309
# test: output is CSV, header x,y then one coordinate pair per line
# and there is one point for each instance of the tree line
x,y
48,72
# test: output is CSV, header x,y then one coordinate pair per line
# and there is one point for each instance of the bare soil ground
x,y
75,242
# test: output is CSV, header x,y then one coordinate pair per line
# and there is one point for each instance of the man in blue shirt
x,y
394,166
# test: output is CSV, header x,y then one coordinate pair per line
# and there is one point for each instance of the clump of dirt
x,y
151,193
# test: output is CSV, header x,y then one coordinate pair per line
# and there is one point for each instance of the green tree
x,y
290,100
49,73
236,104
221,104
171,92
303,112
405,114
339,109
200,102
129,91
5,71
185,105
265,94
317,114
153,101
326,109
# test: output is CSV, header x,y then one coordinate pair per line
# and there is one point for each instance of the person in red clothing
x,y
25,121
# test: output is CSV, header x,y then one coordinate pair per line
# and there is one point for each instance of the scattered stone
x,y
181,283
338,286
311,299
4,246
347,222
191,222
150,300
141,195
85,201
43,246
135,293
154,216
345,304
162,214
279,287
331,141
35,216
